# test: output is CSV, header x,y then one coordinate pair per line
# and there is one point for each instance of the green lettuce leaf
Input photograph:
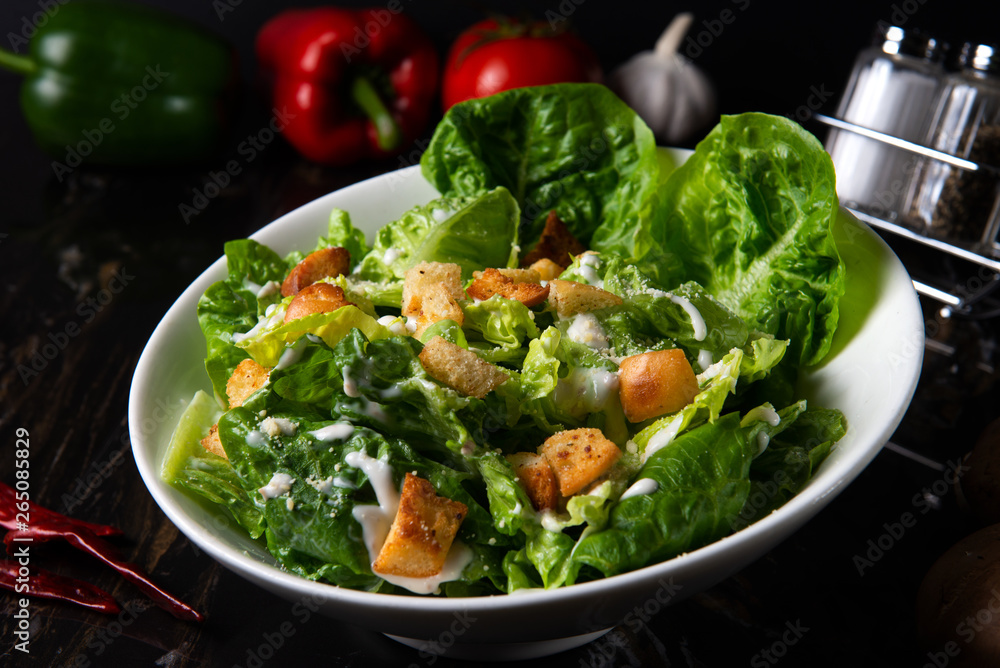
x,y
573,148
232,306
474,232
749,217
189,466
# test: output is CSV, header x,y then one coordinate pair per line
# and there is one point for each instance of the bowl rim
x,y
826,484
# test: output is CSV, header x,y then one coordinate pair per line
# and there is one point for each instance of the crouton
x,y
421,533
324,263
555,243
212,442
516,275
437,304
547,269
578,457
316,298
426,274
493,282
460,369
247,378
656,383
535,477
570,297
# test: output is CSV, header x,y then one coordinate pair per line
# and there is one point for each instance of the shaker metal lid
x,y
980,57
895,40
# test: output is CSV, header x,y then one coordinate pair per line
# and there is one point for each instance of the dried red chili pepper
x,y
10,506
28,522
84,540
43,584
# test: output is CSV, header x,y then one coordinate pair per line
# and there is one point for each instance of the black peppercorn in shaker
x,y
949,202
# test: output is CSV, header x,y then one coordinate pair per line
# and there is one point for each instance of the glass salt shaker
x,y
894,86
955,204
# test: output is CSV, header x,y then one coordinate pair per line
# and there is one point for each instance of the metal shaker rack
x,y
963,301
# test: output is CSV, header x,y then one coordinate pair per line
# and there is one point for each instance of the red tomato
x,y
493,56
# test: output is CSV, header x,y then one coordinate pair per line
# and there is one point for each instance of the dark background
x,y
61,240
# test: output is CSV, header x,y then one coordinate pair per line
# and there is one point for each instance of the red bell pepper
x,y
356,83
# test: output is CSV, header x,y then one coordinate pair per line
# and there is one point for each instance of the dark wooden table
x,y
90,263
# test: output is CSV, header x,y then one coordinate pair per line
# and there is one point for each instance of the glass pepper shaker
x,y
894,86
955,204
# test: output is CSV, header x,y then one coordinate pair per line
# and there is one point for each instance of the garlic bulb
x,y
667,91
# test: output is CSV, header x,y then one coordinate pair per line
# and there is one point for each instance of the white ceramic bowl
x,y
871,378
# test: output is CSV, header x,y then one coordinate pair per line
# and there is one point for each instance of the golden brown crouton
x,y
437,304
324,263
517,275
492,282
316,298
460,369
535,477
212,442
547,269
570,297
578,457
426,275
555,243
656,383
422,532
247,378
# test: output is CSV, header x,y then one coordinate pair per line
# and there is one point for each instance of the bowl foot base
x,y
513,651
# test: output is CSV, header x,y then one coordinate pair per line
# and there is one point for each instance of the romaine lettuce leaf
x,y
474,232
574,148
232,305
749,217
188,465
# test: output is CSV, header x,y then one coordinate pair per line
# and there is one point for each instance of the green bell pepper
x,y
124,84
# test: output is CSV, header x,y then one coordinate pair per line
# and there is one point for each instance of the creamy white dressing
x,y
333,432
350,386
661,439
255,439
411,324
278,485
292,354
392,254
268,289
375,521
705,359
459,556
697,322
764,414
586,329
275,427
763,440
374,411
589,264
587,388
250,285
641,486
549,520
391,392
396,324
